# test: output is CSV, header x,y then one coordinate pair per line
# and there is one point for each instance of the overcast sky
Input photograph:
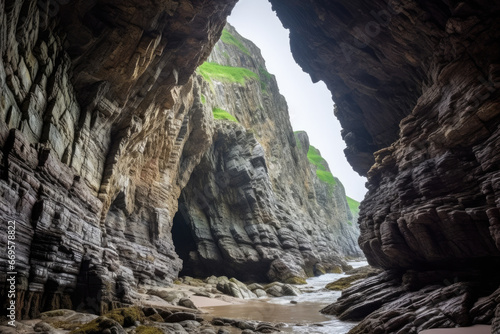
x,y
310,105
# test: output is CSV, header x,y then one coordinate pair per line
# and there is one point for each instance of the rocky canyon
x,y
123,167
140,141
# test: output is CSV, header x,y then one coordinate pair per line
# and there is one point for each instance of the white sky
x,y
310,105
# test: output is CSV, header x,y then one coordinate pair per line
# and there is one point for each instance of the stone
x,y
148,311
260,293
290,290
180,316
275,290
94,158
43,327
186,302
100,325
76,204
108,144
428,155
207,331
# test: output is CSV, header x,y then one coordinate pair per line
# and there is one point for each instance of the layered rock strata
x,y
254,207
101,126
96,107
417,84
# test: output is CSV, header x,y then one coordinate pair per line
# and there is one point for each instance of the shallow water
x,y
305,312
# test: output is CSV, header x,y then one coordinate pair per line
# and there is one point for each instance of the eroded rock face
x,y
96,107
254,207
101,126
416,83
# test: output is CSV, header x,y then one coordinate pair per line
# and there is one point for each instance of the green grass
x,y
222,114
212,71
316,159
322,172
353,205
326,177
230,39
203,99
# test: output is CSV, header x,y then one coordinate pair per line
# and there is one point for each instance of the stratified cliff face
x,y
96,108
254,207
101,126
416,83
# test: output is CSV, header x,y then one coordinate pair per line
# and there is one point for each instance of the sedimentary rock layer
x,y
254,207
417,84
96,107
101,126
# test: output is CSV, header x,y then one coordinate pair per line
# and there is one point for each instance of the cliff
x,y
254,203
102,125
100,136
416,90
96,109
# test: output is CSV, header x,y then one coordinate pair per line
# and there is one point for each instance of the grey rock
x,y
207,331
180,316
186,302
247,331
43,327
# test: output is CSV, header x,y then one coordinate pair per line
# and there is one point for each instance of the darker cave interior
x,y
184,242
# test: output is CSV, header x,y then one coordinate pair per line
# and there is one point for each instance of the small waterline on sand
x,y
302,317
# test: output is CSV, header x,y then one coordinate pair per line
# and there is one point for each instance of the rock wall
x,y
254,206
101,126
416,85
96,107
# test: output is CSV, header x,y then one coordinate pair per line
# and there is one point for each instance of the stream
x,y
302,317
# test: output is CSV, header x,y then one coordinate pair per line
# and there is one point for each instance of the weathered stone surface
x,y
99,134
415,83
254,208
96,107
354,276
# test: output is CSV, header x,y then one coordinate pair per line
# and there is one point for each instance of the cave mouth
x,y
184,243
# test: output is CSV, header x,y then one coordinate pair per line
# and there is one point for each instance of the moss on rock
x,y
97,326
155,317
65,325
344,282
335,270
51,314
126,316
148,330
295,280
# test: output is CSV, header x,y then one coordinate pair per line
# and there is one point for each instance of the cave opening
x,y
184,243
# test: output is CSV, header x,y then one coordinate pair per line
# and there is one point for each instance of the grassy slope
x,y
228,38
322,172
222,114
223,73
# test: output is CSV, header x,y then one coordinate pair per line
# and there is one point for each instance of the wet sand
x,y
301,313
